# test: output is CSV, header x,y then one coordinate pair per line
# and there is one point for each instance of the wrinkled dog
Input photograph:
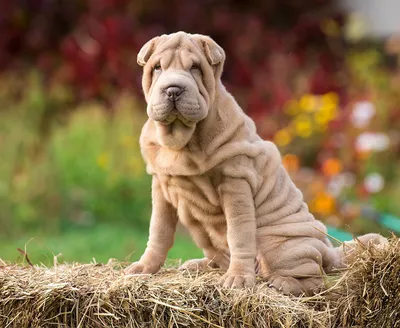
x,y
224,183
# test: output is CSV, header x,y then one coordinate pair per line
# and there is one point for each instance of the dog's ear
x,y
146,51
214,53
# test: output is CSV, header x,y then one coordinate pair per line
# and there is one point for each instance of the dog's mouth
x,y
172,117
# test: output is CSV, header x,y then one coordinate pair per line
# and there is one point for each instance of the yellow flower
x,y
328,110
330,99
303,126
324,116
282,137
103,160
308,103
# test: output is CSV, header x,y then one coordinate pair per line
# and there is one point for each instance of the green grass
x,y
101,242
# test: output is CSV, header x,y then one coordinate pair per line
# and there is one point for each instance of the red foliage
x,y
275,49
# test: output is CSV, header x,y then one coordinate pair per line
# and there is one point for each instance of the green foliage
x,y
90,170
100,242
99,168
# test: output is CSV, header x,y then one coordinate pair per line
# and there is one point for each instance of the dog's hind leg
x,y
297,266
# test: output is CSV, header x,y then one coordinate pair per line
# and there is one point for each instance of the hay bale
x,y
368,294
93,295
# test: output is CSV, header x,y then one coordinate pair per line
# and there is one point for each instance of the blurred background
x,y
320,78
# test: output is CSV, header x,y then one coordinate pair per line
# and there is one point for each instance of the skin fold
x,y
212,172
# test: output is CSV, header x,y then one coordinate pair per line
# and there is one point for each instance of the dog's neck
x,y
174,136
224,114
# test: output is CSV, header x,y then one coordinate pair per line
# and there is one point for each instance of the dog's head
x,y
180,73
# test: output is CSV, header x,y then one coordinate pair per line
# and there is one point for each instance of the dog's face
x,y
179,79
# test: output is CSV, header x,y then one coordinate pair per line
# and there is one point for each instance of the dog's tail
x,y
349,249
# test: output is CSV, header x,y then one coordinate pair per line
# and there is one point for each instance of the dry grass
x,y
93,295
368,293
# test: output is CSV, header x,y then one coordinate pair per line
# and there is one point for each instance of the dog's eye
x,y
195,67
157,67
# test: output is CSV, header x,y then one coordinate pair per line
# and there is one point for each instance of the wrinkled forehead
x,y
177,50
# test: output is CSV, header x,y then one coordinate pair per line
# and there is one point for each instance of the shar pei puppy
x,y
212,172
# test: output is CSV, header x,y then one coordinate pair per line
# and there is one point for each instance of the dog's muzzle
x,y
174,92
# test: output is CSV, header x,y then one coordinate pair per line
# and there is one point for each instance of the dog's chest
x,y
193,196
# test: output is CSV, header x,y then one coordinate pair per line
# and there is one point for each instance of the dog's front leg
x,y
161,235
238,205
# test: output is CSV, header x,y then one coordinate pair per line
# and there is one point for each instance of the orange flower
x,y
323,204
291,162
331,167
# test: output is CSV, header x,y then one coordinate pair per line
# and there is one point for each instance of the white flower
x,y
382,141
356,27
339,182
362,113
374,182
369,141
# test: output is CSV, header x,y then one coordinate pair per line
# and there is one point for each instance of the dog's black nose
x,y
174,92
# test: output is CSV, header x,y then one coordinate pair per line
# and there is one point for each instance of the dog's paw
x,y
237,280
285,285
195,264
294,286
142,268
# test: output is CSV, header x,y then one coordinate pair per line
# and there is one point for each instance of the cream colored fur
x,y
214,173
